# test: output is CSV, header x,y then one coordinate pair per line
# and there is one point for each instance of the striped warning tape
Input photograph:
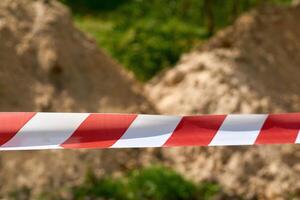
x,y
19,131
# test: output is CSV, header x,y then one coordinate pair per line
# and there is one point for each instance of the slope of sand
x,y
48,65
251,67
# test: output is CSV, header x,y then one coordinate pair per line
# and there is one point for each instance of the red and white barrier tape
x,y
20,131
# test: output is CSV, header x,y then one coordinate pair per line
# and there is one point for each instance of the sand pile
x,y
251,67
48,65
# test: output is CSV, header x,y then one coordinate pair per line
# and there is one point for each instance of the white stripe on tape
x,y
298,138
46,130
148,131
239,130
31,148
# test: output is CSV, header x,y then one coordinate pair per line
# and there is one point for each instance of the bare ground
x,y
251,67
48,65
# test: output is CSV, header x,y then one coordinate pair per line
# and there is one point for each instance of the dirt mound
x,y
48,65
251,67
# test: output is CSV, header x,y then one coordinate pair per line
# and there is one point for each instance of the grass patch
x,y
157,183
144,47
149,36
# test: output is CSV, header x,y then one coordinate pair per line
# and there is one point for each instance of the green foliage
x,y
146,46
151,183
160,183
148,36
105,187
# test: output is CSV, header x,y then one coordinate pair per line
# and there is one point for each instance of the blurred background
x,y
155,57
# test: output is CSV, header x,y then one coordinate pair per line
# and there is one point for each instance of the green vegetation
x,y
148,36
146,46
151,183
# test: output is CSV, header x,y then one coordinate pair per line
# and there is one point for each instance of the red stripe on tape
x,y
279,128
195,130
99,130
11,123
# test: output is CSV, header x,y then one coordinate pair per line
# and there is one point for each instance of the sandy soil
x,y
49,65
251,67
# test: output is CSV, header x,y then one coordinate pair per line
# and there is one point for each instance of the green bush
x,y
157,183
145,47
148,36
160,183
148,47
